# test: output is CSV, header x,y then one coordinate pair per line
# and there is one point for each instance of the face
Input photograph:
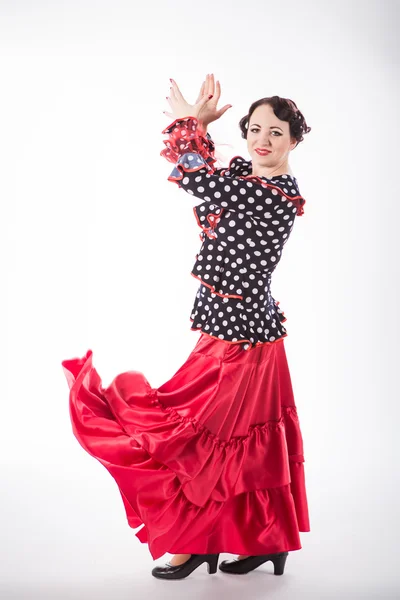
x,y
266,131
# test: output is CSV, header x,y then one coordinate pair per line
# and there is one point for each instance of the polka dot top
x,y
245,221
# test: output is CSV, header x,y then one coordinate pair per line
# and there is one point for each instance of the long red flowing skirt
x,y
211,461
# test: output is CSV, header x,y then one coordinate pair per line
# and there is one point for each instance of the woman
x,y
212,461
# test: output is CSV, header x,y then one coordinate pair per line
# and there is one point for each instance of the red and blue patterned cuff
x,y
185,135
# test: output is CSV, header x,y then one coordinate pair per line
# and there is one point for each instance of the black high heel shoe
x,y
180,571
244,565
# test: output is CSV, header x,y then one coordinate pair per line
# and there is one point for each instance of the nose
x,y
265,140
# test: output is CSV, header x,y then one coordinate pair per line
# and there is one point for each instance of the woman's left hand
x,y
181,108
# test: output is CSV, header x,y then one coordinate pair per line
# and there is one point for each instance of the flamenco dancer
x,y
212,461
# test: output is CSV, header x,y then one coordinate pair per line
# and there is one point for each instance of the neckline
x,y
249,164
244,164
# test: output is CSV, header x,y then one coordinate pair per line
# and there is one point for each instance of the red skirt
x,y
210,462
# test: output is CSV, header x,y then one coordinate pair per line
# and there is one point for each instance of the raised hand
x,y
181,108
209,112
205,108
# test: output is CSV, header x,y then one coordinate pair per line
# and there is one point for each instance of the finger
x,y
203,101
168,114
209,91
199,97
173,104
210,87
175,89
212,84
217,90
224,109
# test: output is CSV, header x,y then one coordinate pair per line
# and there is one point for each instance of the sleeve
x,y
187,136
194,171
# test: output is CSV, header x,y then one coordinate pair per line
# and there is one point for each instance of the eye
x,y
255,130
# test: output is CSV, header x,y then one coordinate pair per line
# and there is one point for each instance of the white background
x,y
96,252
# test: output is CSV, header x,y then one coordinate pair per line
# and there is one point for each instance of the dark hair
x,y
285,110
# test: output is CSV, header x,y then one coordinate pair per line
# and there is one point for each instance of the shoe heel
x,y
279,563
212,563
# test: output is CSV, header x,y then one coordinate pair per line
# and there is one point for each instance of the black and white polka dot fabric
x,y
245,221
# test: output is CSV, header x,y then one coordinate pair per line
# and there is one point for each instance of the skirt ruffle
x,y
211,461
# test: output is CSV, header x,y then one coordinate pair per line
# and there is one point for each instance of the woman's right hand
x,y
209,112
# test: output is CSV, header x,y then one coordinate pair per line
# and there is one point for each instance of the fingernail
x,y
210,96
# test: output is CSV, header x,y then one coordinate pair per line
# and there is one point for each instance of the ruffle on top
x,y
246,329
187,138
240,168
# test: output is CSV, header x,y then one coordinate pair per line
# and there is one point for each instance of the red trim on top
x,y
214,291
209,231
183,119
183,170
257,344
300,210
188,132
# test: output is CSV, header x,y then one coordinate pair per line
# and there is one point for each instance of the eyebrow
x,y
273,126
